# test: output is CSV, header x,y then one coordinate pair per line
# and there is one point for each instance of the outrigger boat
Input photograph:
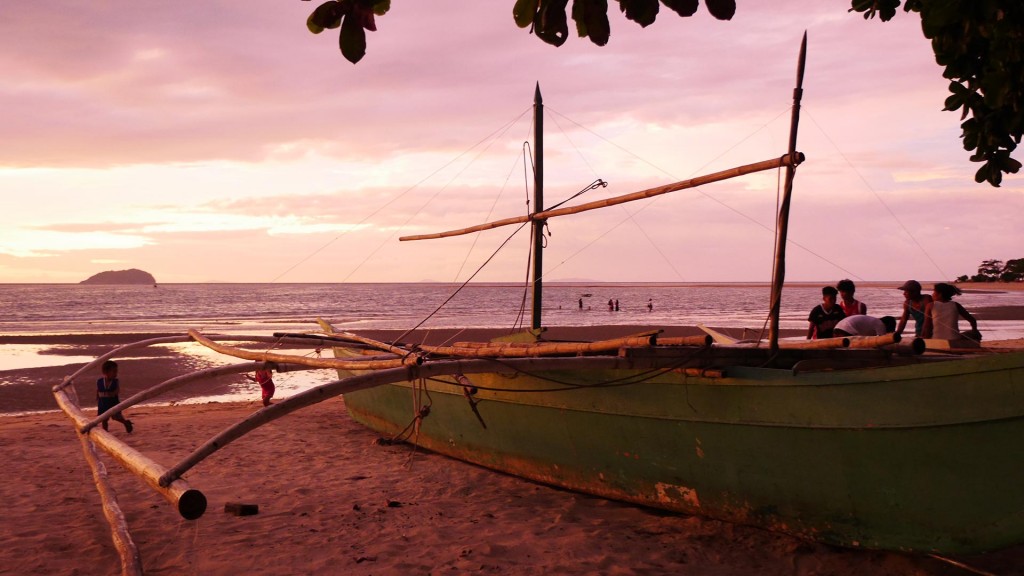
x,y
858,442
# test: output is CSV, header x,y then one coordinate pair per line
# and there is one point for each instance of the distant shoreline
x,y
967,287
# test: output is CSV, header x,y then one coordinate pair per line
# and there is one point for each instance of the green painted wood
x,y
925,456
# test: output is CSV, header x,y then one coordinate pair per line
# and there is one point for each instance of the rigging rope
x,y
463,285
496,133
877,197
647,205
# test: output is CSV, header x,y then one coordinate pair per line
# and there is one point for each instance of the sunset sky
x,y
222,142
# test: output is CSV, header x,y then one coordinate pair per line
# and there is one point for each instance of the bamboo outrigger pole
x,y
190,503
783,220
131,560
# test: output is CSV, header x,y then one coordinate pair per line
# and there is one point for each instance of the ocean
x,y
264,308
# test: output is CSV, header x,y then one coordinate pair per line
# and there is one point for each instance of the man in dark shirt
x,y
825,316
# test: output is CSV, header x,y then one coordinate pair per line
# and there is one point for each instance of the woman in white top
x,y
942,314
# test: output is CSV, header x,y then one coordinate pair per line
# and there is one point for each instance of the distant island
x,y
133,276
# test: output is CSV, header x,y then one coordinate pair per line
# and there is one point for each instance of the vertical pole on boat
x,y
538,204
783,222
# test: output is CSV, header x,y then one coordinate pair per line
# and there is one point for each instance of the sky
x,y
223,142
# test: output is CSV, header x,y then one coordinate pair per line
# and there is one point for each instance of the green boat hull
x,y
919,457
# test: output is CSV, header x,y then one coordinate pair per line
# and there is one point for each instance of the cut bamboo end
x,y
191,504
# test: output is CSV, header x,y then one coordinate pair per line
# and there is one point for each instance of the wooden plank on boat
x,y
511,350
718,336
705,340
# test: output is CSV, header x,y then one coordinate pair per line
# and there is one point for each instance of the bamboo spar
x,y
797,158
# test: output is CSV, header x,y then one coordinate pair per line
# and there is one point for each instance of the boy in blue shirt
x,y
107,390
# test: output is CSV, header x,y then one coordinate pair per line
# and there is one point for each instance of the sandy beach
x,y
333,500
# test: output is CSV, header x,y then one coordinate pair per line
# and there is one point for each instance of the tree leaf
x,y
684,8
591,17
524,12
721,9
643,12
365,17
327,16
551,23
352,39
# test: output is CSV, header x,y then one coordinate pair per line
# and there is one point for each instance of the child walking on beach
x,y
107,390
265,378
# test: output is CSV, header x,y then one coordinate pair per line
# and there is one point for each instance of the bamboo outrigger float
x,y
859,442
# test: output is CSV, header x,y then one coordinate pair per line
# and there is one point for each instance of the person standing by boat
x,y
265,378
942,315
108,388
850,305
913,307
824,316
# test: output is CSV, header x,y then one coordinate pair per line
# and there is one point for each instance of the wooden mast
x,y
538,206
783,221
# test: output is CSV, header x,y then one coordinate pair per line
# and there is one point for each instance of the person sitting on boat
x,y
823,319
913,307
850,305
108,388
864,325
942,316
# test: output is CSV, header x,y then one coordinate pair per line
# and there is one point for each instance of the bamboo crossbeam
x,y
372,363
702,340
131,560
648,193
179,381
916,347
188,502
821,344
379,378
875,341
115,352
504,350
364,340
120,350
